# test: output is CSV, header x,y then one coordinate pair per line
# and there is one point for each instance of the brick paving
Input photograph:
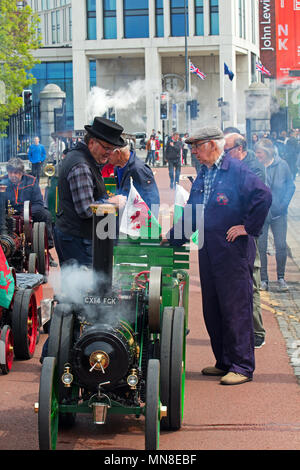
x,y
286,305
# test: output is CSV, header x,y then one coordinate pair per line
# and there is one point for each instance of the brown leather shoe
x,y
213,371
233,378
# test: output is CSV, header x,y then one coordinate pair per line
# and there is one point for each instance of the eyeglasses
x,y
106,149
196,146
231,148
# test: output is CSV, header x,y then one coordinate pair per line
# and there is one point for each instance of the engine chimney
x,y
104,235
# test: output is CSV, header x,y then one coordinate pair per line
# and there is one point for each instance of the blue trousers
x,y
279,230
70,248
174,165
227,298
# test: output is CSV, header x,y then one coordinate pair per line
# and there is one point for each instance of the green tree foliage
x,y
18,38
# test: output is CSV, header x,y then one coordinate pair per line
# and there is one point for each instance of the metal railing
x,y
21,129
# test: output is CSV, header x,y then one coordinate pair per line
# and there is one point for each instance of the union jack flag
x,y
262,69
195,70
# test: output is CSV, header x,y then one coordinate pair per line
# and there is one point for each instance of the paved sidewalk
x,y
286,305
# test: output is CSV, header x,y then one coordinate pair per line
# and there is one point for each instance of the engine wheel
x,y
165,362
24,323
6,349
152,421
32,263
55,331
65,394
177,369
48,405
40,247
155,283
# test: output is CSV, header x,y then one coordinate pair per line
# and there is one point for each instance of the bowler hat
x,y
107,130
206,134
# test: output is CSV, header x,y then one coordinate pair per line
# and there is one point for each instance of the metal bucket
x,y
100,412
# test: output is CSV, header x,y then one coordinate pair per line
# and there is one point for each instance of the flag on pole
x,y
137,219
228,72
195,70
7,282
261,68
181,197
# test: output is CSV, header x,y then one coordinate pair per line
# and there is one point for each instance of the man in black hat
x,y
235,203
81,184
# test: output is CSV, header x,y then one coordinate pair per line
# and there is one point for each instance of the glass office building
x,y
110,43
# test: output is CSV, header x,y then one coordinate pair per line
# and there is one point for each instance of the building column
x,y
206,15
120,22
99,19
152,19
191,16
81,66
167,20
227,55
81,87
153,87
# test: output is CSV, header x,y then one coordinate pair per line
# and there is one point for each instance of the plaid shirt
x,y
82,189
209,175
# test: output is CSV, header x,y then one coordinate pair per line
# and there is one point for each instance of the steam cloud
x,y
101,100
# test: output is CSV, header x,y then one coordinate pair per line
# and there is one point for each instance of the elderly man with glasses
x,y
81,184
235,203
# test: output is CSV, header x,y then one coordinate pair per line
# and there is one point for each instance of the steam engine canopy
x,y
103,354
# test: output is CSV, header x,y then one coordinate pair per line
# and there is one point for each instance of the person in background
x,y
173,157
292,151
127,165
185,149
236,147
36,155
22,187
280,182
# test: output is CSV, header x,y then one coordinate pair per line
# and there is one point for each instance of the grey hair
x,y
220,144
15,164
267,146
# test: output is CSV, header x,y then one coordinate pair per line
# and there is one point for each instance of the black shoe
x,y
259,341
41,359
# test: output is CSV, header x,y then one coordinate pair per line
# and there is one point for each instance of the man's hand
x,y
164,241
235,231
118,200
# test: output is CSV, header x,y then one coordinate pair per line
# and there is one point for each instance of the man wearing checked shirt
x,y
236,203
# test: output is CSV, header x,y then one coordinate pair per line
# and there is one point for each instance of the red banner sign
x,y
288,40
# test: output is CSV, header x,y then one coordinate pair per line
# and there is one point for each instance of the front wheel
x,y
48,405
152,421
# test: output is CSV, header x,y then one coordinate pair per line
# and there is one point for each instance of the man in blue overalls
x,y
236,203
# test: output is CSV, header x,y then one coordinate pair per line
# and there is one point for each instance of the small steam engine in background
x,y
122,349
25,244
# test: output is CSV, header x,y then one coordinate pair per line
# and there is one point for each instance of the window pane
x,y
92,31
55,70
135,4
199,18
109,4
110,28
92,73
159,26
136,27
178,18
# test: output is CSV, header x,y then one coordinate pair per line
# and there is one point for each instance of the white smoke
x,y
101,100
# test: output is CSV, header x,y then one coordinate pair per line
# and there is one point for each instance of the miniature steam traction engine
x,y
122,349
25,244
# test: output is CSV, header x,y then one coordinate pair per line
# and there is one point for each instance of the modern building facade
x,y
137,49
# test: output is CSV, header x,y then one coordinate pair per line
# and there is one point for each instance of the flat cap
x,y
206,133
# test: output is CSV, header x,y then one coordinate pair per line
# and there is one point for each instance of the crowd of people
x,y
245,189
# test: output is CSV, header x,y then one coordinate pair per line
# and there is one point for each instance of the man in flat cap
x,y
236,203
81,184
